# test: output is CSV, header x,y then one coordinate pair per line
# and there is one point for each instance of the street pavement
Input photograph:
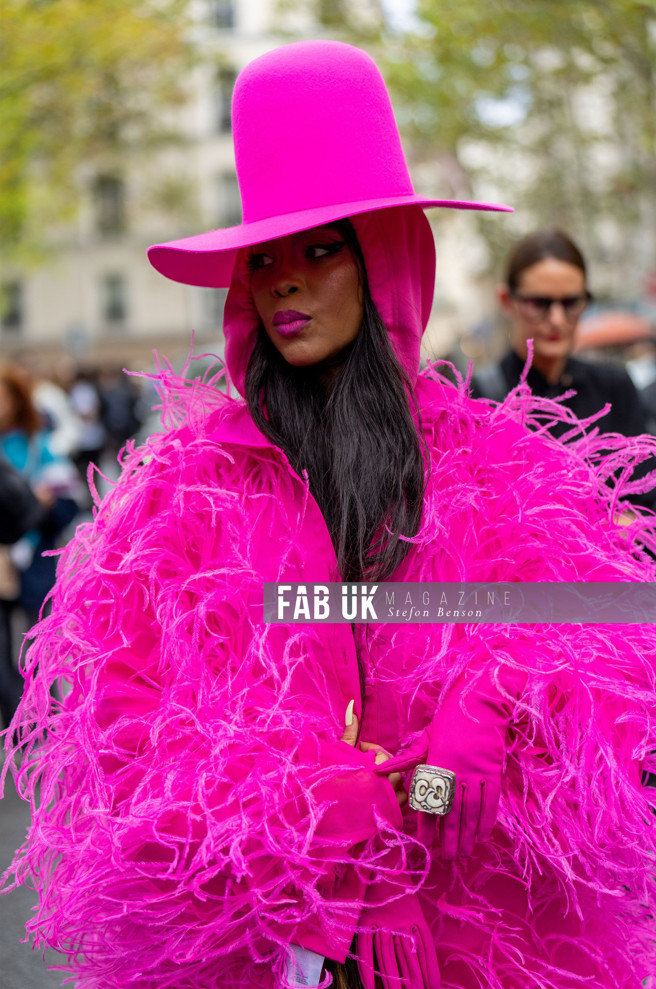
x,y
20,967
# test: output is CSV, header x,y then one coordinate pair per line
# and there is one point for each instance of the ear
x,y
504,298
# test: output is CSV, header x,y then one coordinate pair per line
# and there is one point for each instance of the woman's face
x,y
307,290
545,307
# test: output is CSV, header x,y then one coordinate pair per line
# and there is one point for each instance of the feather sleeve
x,y
193,808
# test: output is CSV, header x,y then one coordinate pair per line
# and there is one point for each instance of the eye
x,y
316,251
258,260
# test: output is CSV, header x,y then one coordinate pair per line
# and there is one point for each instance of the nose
x,y
557,314
286,276
282,287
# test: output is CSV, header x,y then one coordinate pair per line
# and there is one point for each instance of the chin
x,y
304,355
553,352
296,361
300,362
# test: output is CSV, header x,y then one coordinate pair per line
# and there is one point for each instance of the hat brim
x,y
207,259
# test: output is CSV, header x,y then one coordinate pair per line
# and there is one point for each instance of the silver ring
x,y
432,789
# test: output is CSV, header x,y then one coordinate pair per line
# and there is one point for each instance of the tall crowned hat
x,y
315,141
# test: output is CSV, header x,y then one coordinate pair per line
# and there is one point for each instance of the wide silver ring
x,y
432,789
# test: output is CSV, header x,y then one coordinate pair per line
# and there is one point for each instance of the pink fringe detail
x,y
180,757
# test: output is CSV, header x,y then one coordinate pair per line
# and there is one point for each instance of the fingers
x,y
489,808
397,782
449,838
350,735
382,755
426,827
365,944
459,828
469,818
386,963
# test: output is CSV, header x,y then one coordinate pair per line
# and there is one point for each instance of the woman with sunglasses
x,y
544,295
219,803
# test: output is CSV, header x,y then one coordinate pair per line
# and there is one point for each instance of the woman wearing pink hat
x,y
220,802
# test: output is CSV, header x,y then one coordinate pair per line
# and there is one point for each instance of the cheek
x,y
521,330
346,292
258,297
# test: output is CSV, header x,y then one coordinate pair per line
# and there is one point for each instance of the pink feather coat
x,y
194,811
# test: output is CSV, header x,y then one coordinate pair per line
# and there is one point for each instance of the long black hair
x,y
350,427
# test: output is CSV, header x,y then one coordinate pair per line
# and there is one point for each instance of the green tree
x,y
552,102
80,81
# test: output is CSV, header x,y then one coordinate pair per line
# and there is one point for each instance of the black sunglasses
x,y
537,307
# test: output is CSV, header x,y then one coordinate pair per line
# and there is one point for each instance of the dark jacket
x,y
20,510
594,385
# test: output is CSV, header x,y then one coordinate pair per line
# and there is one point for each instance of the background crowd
x,y
51,430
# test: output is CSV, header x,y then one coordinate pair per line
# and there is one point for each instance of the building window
x,y
12,315
225,85
109,201
222,14
229,200
113,300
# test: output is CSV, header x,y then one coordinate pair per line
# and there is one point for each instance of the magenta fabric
x,y
196,813
467,735
404,958
194,810
315,141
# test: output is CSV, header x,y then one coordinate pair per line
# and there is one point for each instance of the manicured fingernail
x,y
348,717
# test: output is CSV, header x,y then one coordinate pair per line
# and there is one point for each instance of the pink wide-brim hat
x,y
315,141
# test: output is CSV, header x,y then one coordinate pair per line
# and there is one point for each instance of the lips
x,y
289,322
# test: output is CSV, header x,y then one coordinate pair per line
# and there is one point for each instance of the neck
x,y
550,368
329,370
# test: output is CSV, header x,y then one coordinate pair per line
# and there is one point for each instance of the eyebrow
x,y
299,233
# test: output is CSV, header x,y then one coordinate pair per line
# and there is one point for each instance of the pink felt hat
x,y
315,141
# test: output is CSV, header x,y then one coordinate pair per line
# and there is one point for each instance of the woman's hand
x,y
467,736
350,736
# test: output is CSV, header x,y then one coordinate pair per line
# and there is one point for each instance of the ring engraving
x,y
432,789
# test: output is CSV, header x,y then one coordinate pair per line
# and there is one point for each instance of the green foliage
x,y
472,57
81,81
552,102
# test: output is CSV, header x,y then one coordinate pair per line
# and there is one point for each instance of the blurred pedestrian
x,y
544,295
60,420
20,510
119,399
24,443
85,400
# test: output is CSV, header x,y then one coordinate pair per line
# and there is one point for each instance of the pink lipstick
x,y
289,322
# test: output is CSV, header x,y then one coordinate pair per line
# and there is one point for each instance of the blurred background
x,y
115,133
